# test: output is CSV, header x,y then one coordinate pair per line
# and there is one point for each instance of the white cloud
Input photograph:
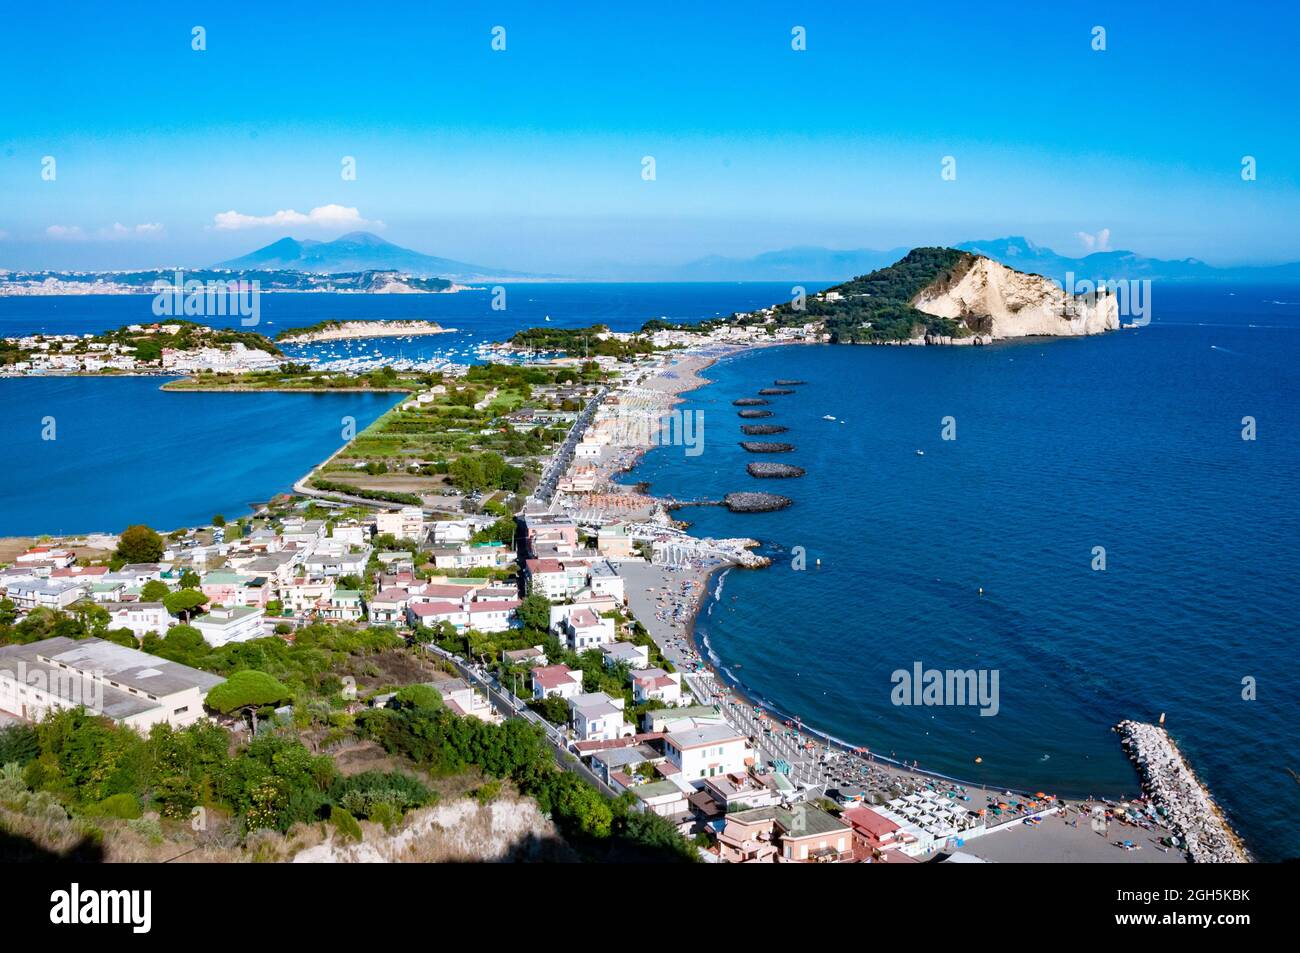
x,y
324,216
1098,242
115,232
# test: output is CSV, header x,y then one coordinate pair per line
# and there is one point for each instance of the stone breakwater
x,y
762,430
774,391
787,383
1169,782
749,402
755,502
760,446
774,470
753,414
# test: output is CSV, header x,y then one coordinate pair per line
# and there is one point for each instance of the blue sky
x,y
531,158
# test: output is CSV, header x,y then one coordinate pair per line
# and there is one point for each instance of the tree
x,y
139,544
248,691
154,591
183,602
190,579
535,612
218,520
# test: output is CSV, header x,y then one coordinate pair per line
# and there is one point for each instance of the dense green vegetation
x,y
94,768
876,307
417,726
580,342
188,335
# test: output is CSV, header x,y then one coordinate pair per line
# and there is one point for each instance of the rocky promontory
x,y
755,502
762,446
768,471
754,414
762,430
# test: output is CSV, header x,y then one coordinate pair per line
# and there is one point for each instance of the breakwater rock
x,y
786,383
755,502
772,391
1170,784
754,414
762,430
749,402
762,446
773,471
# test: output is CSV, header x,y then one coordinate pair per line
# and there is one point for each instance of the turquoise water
x,y
1131,442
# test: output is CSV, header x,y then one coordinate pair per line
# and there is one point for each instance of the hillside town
x,y
567,607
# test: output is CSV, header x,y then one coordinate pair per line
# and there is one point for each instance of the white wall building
x,y
132,688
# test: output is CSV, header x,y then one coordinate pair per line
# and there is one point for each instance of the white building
x,y
406,523
583,630
132,688
707,751
556,681
140,617
654,684
597,717
633,656
230,624
46,593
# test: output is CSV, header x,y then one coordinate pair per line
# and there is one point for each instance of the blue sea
x,y
126,452
1131,442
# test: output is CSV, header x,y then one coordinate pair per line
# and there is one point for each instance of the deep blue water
x,y
1130,441
127,452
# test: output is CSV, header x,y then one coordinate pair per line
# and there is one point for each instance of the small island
x,y
345,330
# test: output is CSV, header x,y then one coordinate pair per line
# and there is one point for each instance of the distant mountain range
x,y
361,251
815,263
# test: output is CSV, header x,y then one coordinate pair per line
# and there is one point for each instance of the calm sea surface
x,y
1131,442
126,452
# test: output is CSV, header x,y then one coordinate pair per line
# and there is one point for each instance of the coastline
x,y
785,735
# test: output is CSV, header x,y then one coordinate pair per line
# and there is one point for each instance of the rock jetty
x,y
762,430
749,402
774,471
1171,786
755,502
762,446
753,414
773,391
785,383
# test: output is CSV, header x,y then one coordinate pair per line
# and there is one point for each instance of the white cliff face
x,y
996,301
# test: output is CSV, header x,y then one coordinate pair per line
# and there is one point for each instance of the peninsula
x,y
345,330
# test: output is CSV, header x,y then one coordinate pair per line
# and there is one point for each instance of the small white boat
x,y
827,417
920,453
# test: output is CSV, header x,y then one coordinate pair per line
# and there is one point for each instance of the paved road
x,y
509,706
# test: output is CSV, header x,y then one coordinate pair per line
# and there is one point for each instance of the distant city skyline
x,y
532,158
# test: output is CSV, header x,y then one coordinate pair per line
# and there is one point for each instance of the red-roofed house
x,y
655,683
556,681
874,834
388,606
584,629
